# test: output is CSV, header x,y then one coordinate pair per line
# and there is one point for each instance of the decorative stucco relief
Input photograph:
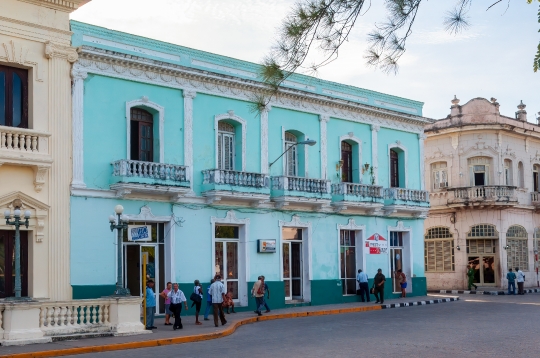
x,y
14,52
53,50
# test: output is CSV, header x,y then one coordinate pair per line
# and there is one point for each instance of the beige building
x,y
482,170
35,141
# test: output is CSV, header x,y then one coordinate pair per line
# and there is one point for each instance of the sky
x,y
492,58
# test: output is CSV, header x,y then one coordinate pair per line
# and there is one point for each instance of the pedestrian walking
x,y
267,290
177,297
168,312
378,285
470,276
511,277
362,279
150,305
402,281
520,281
228,304
197,300
258,292
217,290
208,301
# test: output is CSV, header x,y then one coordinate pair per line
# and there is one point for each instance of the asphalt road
x,y
475,326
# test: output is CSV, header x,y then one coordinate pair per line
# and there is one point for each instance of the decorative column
x,y
188,133
60,60
77,109
421,138
323,120
264,138
374,152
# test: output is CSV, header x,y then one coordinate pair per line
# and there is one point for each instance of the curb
x,y
207,336
492,293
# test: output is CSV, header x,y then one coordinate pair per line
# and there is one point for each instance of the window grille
x,y
347,246
517,250
483,230
439,250
481,246
226,261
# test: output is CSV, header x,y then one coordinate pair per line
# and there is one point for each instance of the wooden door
x,y
7,263
142,135
346,157
394,169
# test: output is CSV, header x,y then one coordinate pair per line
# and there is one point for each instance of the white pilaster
x,y
77,130
421,138
264,139
323,120
188,133
374,152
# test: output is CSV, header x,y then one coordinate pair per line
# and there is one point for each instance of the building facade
x,y
482,173
35,142
174,135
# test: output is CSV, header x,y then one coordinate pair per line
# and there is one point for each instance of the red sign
x,y
377,244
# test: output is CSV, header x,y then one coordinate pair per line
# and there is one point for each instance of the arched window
x,y
394,169
536,170
142,135
13,97
291,158
439,250
508,172
439,174
347,162
517,253
521,175
226,144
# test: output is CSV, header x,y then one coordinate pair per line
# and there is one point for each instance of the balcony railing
x,y
23,140
492,192
307,185
535,197
359,190
149,170
231,177
406,194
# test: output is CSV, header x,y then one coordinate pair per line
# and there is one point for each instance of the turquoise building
x,y
173,135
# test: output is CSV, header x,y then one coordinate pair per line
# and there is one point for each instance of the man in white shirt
x,y
177,297
362,279
520,281
217,291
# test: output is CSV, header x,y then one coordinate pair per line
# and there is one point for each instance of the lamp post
x,y
17,222
119,225
309,142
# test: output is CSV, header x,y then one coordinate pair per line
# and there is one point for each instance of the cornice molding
x,y
62,5
118,65
37,26
66,52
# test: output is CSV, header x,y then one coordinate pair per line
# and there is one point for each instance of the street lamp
x,y
119,225
17,222
309,142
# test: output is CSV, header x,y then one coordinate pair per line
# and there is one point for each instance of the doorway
x,y
293,264
155,267
7,263
396,257
484,270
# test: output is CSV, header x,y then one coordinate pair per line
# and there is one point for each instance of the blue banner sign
x,y
139,233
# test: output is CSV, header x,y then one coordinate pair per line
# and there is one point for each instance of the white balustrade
x,y
23,140
492,192
232,177
360,190
74,316
308,185
406,194
151,170
535,197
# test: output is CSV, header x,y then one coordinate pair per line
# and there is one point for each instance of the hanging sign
x,y
377,244
139,232
266,246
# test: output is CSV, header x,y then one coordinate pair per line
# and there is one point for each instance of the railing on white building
x,y
149,170
535,197
491,192
23,140
307,185
406,194
360,190
232,177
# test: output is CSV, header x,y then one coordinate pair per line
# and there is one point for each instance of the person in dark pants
x,y
378,284
267,290
217,291
177,297
362,279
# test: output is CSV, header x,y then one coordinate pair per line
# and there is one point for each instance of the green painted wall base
x,y
94,291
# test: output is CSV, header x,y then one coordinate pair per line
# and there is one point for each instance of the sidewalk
x,y
483,291
165,335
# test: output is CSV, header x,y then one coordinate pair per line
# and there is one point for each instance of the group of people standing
x,y
378,285
512,277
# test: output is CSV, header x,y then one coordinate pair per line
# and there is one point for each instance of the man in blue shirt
x,y
511,277
150,305
362,279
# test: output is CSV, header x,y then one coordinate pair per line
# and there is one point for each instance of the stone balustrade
x,y
535,198
404,194
307,185
360,190
492,192
23,140
236,178
149,170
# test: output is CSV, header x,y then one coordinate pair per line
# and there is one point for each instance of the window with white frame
x,y
225,146
439,250
226,257
439,173
479,170
291,158
347,246
536,179
517,251
508,172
